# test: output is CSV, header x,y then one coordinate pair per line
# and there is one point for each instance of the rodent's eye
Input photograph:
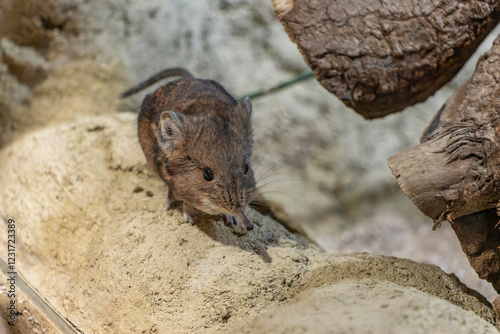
x,y
208,175
246,168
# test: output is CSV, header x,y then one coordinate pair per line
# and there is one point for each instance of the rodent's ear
x,y
246,106
170,130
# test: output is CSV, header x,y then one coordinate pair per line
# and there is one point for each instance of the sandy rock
x,y
110,259
366,307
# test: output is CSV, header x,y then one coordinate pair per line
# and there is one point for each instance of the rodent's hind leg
x,y
188,213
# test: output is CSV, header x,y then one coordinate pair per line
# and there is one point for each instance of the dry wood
x,y
379,57
454,173
456,170
446,177
480,238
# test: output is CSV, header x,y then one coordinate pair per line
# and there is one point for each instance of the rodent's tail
x,y
169,72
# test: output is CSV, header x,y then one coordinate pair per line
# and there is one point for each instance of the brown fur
x,y
207,128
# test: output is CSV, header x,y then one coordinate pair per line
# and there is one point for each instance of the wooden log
x,y
479,238
454,173
445,177
379,57
456,170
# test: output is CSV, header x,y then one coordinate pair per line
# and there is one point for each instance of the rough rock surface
x,y
81,216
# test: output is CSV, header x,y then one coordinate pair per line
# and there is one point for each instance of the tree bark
x,y
379,57
480,238
454,173
456,170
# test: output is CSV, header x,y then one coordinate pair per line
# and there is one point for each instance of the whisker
x,y
264,154
273,173
260,186
277,163
259,205
263,194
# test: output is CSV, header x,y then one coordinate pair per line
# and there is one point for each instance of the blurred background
x,y
321,161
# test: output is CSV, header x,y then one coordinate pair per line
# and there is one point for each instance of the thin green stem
x,y
262,92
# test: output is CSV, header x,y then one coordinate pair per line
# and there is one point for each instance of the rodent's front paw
x,y
232,222
188,218
170,205
229,220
